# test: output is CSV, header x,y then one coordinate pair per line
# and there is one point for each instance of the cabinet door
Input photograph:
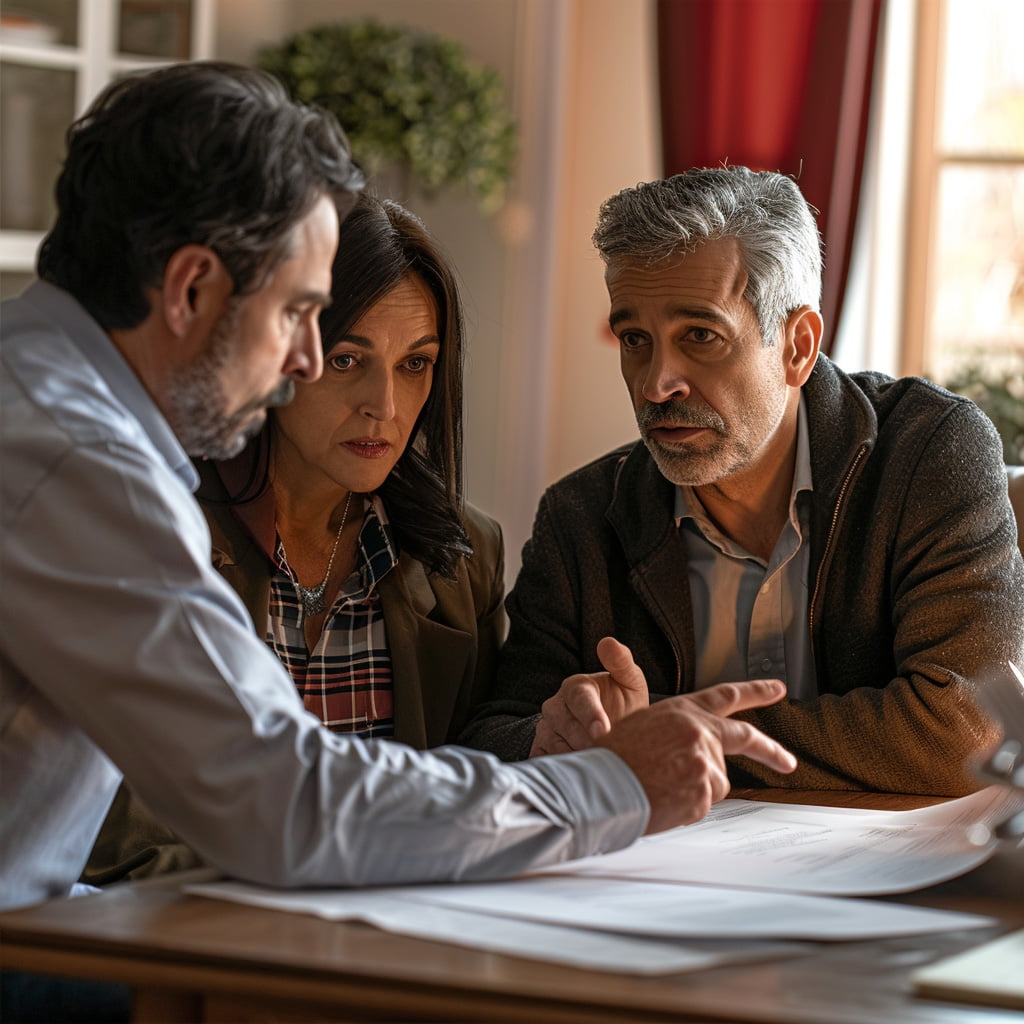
x,y
36,106
55,55
156,28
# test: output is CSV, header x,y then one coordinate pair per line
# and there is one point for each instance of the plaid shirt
x,y
346,679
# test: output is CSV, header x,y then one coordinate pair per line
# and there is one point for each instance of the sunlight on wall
x,y
613,143
869,330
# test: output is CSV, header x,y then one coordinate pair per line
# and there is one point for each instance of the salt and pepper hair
x,y
764,211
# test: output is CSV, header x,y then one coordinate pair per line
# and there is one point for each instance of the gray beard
x,y
195,397
683,468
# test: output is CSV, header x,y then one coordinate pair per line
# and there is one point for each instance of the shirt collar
x,y
96,346
376,553
688,505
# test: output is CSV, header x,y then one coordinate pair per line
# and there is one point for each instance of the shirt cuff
x,y
597,793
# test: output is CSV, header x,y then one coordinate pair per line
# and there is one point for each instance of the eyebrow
x,y
617,316
361,342
321,299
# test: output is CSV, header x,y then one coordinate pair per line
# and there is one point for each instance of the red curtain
x,y
782,85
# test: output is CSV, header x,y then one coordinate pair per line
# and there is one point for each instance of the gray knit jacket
x,y
916,591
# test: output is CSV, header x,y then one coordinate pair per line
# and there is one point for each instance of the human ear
x,y
195,287
802,340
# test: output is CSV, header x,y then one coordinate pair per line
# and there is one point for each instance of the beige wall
x,y
612,143
543,391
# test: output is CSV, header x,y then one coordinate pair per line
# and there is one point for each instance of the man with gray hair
x,y
848,534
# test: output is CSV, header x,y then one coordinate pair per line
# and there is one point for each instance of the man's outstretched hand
x,y
676,747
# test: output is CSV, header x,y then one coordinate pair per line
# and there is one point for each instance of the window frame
x,y
927,159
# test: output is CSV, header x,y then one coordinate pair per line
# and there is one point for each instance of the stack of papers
x,y
841,851
751,881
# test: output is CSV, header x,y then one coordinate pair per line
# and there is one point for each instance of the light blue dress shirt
x,y
750,616
123,650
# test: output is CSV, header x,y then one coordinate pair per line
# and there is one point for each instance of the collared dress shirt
x,y
750,616
123,650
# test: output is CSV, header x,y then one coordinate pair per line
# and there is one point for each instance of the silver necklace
x,y
313,597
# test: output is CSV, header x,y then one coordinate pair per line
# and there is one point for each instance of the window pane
x,y
979,288
36,106
41,22
156,28
983,77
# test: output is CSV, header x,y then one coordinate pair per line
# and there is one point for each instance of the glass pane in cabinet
x,y
40,22
983,87
36,106
155,28
978,315
14,282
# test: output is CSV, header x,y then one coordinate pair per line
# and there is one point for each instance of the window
x,y
55,55
965,245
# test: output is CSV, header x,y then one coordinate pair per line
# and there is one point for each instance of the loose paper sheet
x,y
672,909
626,907
826,850
723,890
577,947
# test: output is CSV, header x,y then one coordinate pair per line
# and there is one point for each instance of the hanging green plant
x,y
408,99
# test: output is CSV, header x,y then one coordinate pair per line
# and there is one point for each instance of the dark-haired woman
x,y
342,526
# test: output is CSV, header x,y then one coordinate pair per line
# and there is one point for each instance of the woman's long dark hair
x,y
382,243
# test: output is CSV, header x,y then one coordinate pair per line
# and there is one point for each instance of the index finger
x,y
728,698
741,738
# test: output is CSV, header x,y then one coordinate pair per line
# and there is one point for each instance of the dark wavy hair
x,y
205,153
381,244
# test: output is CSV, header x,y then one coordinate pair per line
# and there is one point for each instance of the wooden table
x,y
195,959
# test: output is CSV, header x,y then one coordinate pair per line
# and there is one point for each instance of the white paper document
x,y
743,884
824,850
392,910
672,909
626,908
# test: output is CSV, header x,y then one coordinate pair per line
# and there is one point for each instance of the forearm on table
x,y
887,739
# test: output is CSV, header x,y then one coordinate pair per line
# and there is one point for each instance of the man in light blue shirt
x,y
198,215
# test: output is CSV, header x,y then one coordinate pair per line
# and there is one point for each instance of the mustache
x,y
675,413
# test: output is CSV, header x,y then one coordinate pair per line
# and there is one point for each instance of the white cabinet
x,y
55,56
